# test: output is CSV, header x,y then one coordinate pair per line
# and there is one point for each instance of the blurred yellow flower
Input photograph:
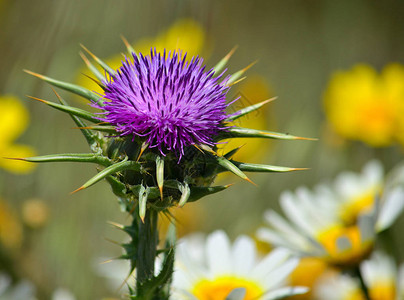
x,y
14,119
188,219
307,272
184,34
35,213
10,227
363,105
255,89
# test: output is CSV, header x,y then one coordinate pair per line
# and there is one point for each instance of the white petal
x,y
380,268
189,263
62,294
278,275
347,185
275,258
335,287
273,237
391,208
307,201
295,213
395,177
243,255
5,282
218,253
285,292
400,280
281,225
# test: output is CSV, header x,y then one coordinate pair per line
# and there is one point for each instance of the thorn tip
x,y
79,189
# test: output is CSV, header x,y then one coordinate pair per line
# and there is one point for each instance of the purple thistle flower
x,y
170,102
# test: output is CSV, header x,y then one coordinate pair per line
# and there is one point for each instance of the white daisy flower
x,y
23,290
337,222
214,269
381,276
62,294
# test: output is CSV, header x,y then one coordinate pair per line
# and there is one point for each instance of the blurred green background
x,y
298,45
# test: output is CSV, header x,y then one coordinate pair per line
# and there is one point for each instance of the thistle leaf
x,y
117,167
223,62
246,167
89,136
81,113
249,109
198,192
239,132
92,68
76,89
118,188
102,128
103,65
230,154
229,166
70,157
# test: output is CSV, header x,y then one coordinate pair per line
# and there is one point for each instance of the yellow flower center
x,y
352,255
356,295
220,287
359,205
306,274
381,291
348,229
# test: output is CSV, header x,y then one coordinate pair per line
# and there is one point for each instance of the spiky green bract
x,y
148,181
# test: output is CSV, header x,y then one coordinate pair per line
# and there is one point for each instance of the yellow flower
x,y
14,119
188,219
306,274
10,227
35,213
363,105
185,34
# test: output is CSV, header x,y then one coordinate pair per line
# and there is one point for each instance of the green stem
x,y
147,247
364,288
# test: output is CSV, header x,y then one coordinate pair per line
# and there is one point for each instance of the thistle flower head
x,y
153,110
169,101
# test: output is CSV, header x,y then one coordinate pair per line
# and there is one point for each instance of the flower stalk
x,y
358,274
147,247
